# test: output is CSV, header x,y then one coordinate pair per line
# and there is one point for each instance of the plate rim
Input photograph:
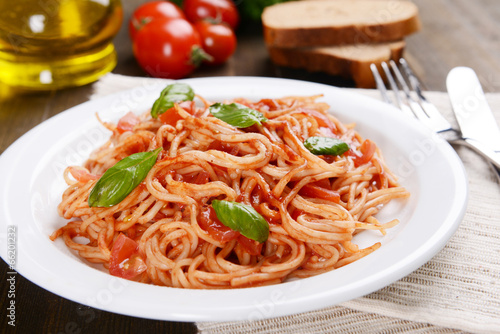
x,y
285,307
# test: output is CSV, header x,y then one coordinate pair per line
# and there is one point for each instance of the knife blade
x,y
475,118
471,108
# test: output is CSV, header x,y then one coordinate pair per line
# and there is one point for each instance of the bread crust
x,y
354,33
338,61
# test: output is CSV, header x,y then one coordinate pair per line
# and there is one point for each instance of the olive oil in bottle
x,y
51,44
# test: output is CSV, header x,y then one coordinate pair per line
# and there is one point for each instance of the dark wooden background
x,y
455,33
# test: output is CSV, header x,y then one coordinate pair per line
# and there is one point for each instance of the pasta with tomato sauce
x,y
228,195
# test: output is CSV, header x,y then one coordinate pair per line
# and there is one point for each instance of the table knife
x,y
475,118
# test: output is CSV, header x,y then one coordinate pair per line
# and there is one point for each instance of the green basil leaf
x,y
326,145
242,218
237,114
119,181
176,92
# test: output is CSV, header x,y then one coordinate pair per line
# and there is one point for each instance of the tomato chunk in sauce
x,y
125,261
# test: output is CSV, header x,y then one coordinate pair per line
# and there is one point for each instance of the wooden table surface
x,y
455,32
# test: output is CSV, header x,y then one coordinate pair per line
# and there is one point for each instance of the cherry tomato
x,y
82,175
367,149
218,40
252,247
168,48
127,122
209,222
125,261
219,10
171,116
150,11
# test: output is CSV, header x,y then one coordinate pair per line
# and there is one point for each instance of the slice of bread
x,y
339,22
349,61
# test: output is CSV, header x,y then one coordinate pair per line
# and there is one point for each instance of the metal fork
x,y
422,109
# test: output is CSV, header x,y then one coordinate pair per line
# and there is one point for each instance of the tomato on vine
x,y
151,11
168,48
218,40
219,10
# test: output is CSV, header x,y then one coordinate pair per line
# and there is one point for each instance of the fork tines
x,y
409,98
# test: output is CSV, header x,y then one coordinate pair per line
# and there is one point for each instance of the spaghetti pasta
x,y
166,232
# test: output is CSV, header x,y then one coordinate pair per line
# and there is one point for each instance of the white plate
x,y
31,185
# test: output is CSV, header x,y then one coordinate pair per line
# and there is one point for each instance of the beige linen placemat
x,y
457,291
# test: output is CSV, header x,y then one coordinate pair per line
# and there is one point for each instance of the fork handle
x,y
492,156
485,151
